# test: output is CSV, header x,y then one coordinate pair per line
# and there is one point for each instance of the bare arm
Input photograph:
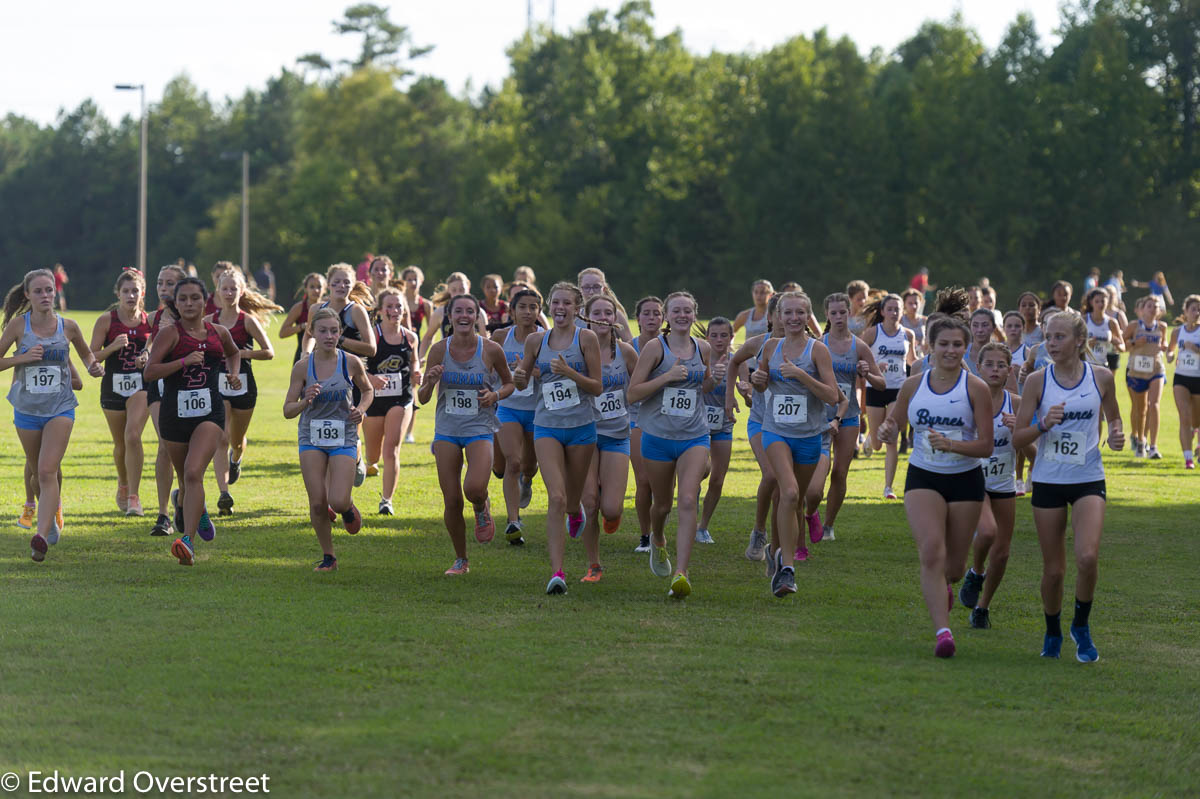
x,y
291,322
265,351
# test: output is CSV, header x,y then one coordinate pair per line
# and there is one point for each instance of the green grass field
x,y
388,679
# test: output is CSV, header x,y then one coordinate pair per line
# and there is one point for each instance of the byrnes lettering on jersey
x,y
924,417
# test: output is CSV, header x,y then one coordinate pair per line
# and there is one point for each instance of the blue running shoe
x,y
206,529
972,585
179,525
1085,650
1052,646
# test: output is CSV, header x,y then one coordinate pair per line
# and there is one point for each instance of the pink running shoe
x,y
485,527
1189,464
945,645
815,531
801,553
575,522
888,493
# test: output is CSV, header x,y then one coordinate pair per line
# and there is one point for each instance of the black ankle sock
x,y
1054,624
1082,611
347,516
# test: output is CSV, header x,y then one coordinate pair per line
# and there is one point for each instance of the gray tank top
x,y
560,403
458,412
715,417
326,422
676,411
792,410
758,400
917,328
755,327
43,388
514,352
845,371
634,406
612,407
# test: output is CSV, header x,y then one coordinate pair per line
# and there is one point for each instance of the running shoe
x,y
28,517
1051,646
37,548
773,562
326,564
557,584
178,510
784,582
133,506
575,522
225,504
526,491
594,574
888,493
485,528
1139,449
58,518
1153,453
971,586
385,507
643,544
182,549
612,525
801,553
460,567
1189,464
352,519
660,563
235,471
513,533
52,536
372,470
1085,650
703,536
206,529
360,471
408,439
162,526
755,549
815,531
827,534
680,587
945,645
1021,488
980,619
122,497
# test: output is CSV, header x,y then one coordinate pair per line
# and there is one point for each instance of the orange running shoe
x,y
594,573
612,525
460,567
122,497
28,517
58,519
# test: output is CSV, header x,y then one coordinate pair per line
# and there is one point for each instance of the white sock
x,y
1187,454
943,630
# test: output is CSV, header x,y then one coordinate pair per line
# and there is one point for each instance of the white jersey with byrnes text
x,y
1188,361
950,414
1069,452
890,353
999,469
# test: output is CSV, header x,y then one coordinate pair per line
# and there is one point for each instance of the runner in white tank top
x,y
893,347
1185,345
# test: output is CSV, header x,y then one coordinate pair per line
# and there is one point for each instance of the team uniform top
x,y
1069,452
675,411
496,319
758,399
514,351
195,386
857,325
1188,363
792,410
920,365
971,359
349,329
121,373
558,402
755,327
1102,335
612,411
458,412
43,388
714,411
302,323
1150,364
890,352
417,316
634,406
242,340
999,470
1034,337
393,361
325,423
1020,354
917,328
951,414
845,369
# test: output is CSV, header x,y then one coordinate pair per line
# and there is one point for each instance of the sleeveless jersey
x,y
1188,363
349,329
999,470
950,414
558,399
755,327
458,412
191,393
1069,452
243,341
792,410
496,319
1148,363
845,369
714,411
1099,337
890,352
612,407
326,422
121,373
43,388
395,362
417,316
676,411
917,328
1034,337
758,399
514,352
634,406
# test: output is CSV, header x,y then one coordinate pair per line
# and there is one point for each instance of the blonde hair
x,y
304,284
587,317
130,274
994,346
323,313
360,292
1188,300
605,290
529,276
666,325
392,291
857,287
251,302
566,285
442,295
15,302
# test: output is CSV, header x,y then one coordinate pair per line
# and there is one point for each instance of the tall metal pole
x,y
246,212
142,187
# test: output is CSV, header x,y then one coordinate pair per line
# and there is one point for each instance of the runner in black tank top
x,y
391,369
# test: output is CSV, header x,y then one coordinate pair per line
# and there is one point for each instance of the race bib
x,y
560,394
462,401
937,455
1142,363
679,401
393,387
229,391
126,384
998,467
715,416
1064,446
1100,350
610,405
327,433
1189,360
789,408
195,403
42,379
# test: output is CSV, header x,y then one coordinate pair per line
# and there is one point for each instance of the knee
x,y
985,536
475,492
513,465
454,505
591,501
955,572
998,556
613,507
789,496
194,473
47,474
1087,562
1053,574
556,501
687,503
317,508
132,440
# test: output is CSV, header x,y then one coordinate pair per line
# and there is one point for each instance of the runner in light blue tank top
x,y
649,315
720,422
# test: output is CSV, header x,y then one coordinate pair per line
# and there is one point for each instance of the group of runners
x,y
561,384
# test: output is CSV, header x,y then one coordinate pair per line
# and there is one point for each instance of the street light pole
x,y
229,155
141,87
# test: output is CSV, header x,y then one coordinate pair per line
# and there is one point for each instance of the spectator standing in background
x,y
1157,285
1092,280
60,280
363,273
920,280
265,279
1117,279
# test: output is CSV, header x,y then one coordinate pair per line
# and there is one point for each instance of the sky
x,y
55,55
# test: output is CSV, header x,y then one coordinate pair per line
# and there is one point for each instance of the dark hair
x,y
953,301
873,311
950,322
637,309
187,281
456,298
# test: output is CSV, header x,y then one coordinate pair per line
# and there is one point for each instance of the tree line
x,y
614,146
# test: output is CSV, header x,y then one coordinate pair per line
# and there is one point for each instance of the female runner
x,y
42,396
439,321
761,291
494,308
913,319
649,313
392,369
1104,334
380,274
672,373
1070,396
892,346
1029,305
593,283
321,394
192,417
1185,386
719,335
164,470
515,415
296,322
243,312
951,415
419,310
563,362
1116,310
1060,296
119,339
1144,375
608,475
471,374
798,373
